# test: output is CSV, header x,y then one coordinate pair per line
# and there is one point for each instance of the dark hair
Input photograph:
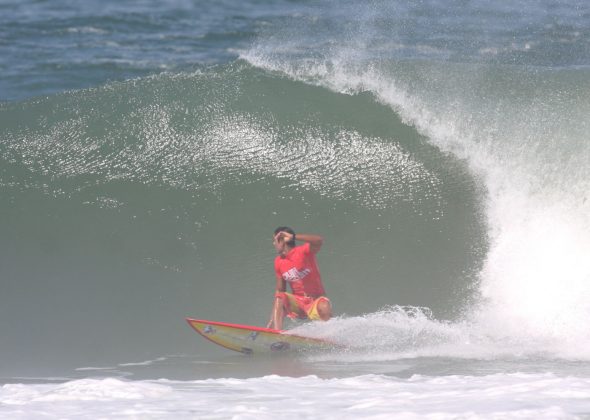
x,y
288,230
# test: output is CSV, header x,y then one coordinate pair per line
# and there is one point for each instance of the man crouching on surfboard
x,y
297,266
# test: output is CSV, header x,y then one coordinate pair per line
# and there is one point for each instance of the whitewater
x,y
148,151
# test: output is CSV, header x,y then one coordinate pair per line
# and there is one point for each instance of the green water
x,y
128,207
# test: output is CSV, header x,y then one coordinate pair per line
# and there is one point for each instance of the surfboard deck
x,y
249,339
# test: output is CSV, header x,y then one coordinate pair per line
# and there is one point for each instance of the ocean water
x,y
149,149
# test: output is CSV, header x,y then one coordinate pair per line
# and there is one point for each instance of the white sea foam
x,y
87,30
89,368
129,364
404,333
498,396
144,363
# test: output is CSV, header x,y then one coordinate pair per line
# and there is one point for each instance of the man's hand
x,y
285,236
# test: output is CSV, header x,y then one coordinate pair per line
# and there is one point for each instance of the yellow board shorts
x,y
303,307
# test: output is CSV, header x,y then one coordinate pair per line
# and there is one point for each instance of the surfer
x,y
297,266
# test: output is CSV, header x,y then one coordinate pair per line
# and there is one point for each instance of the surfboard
x,y
248,339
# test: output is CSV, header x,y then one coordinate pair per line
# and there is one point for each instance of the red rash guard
x,y
300,269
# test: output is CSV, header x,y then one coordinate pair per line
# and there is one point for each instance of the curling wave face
x,y
522,134
133,189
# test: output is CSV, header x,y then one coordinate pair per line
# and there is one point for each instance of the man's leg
x,y
324,309
278,313
321,308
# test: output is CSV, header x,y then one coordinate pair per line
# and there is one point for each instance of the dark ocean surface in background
x,y
149,149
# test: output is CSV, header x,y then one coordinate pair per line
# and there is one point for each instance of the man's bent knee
x,y
324,310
